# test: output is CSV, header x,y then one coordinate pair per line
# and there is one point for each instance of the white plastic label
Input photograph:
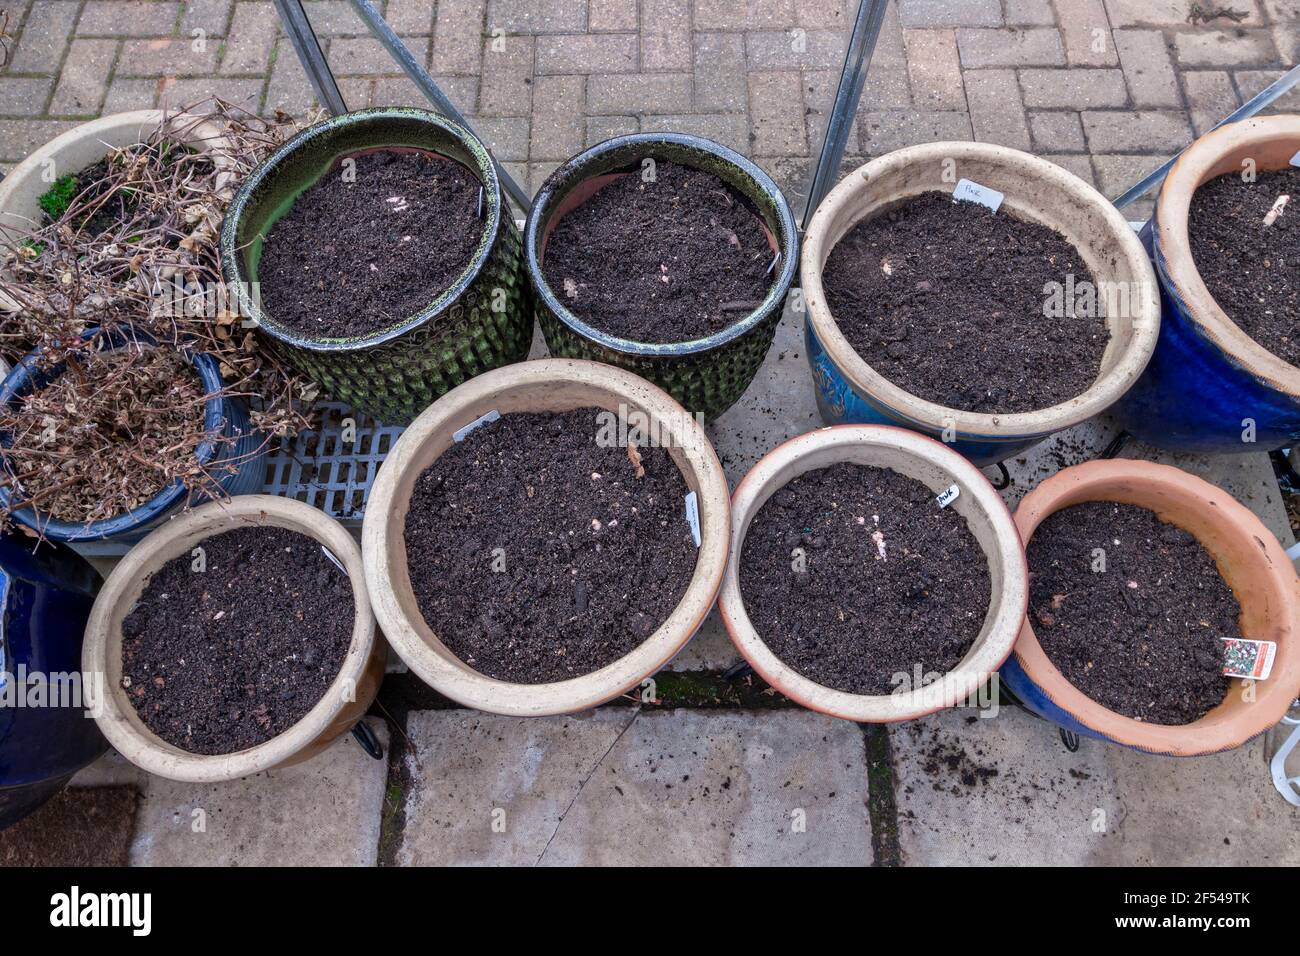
x,y
948,496
693,516
1295,160
1252,660
337,563
968,191
459,434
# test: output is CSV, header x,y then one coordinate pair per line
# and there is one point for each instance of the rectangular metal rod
x,y
1263,99
420,77
310,55
857,60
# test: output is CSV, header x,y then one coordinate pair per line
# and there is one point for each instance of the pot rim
x,y
1099,479
1173,248
411,636
856,188
548,196
233,271
118,719
998,633
21,379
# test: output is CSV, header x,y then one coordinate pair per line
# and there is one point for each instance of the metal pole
x,y
305,44
420,77
857,59
1278,89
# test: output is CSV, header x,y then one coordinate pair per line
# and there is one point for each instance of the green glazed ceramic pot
x,y
705,375
483,320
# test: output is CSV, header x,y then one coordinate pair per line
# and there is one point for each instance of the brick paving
x,y
1108,88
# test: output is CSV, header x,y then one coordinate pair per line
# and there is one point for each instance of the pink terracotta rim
x,y
1007,567
1271,142
1252,563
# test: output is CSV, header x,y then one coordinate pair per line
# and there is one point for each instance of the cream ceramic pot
x,y
935,466
549,385
850,390
344,703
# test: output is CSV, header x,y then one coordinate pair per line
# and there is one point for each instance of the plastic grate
x,y
320,468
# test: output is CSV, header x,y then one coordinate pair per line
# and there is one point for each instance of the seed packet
x,y
1250,659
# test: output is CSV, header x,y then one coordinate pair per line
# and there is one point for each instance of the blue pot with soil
x,y
1123,296
1211,387
232,455
46,733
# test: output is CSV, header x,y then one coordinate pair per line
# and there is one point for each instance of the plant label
x,y
693,516
968,191
460,433
330,554
948,496
1295,160
1249,659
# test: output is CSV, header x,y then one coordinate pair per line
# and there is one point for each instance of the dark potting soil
x,y
826,602
672,260
1252,270
948,300
226,658
1144,636
351,258
537,554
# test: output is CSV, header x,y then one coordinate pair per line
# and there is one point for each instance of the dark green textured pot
x,y
705,375
482,321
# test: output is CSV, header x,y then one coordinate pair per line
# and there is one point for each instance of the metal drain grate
x,y
326,471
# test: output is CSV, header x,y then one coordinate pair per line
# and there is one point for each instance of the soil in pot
x,y
224,658
372,243
538,550
673,259
107,433
1252,269
853,575
954,303
1143,637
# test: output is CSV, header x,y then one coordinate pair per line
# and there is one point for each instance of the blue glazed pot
x,y
46,597
1210,388
238,467
850,391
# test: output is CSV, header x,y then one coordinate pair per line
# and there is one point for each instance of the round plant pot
x,y
552,385
236,464
478,323
1252,563
87,144
705,375
47,593
935,466
850,391
1210,387
344,703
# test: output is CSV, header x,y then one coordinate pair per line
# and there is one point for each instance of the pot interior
x,y
1032,197
319,152
911,465
551,396
181,546
1242,562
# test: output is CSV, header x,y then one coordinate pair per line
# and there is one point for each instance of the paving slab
x,y
324,812
1004,790
630,786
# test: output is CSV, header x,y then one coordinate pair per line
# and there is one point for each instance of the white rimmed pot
x,y
344,703
935,466
1208,379
553,385
850,390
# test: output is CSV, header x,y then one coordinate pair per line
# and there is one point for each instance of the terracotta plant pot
x,y
1252,563
344,703
706,375
549,385
850,391
1208,376
482,320
935,466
